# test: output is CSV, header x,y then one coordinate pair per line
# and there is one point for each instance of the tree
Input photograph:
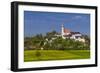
x,y
87,39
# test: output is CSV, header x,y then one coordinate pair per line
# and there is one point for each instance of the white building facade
x,y
66,33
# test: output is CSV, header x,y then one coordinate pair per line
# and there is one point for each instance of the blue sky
x,y
42,22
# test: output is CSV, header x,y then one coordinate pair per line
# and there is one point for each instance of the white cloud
x,y
77,17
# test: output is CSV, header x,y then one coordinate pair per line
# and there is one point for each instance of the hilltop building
x,y
66,33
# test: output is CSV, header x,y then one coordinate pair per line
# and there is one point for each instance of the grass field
x,y
43,55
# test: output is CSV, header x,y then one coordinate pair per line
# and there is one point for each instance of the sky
x,y
43,22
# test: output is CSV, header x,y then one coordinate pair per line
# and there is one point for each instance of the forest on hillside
x,y
51,42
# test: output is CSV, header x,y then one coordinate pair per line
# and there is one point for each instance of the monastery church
x,y
66,33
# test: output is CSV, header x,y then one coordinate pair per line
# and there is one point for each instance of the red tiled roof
x,y
67,31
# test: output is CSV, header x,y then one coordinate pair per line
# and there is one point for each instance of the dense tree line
x,y
49,41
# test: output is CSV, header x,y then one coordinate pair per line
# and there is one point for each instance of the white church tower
x,y
62,31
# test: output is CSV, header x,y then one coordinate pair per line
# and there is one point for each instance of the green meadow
x,y
44,55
